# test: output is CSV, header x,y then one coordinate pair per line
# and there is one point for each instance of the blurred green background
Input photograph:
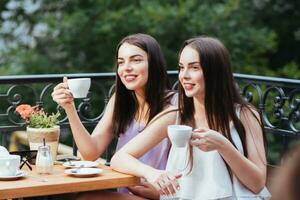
x,y
73,36
80,36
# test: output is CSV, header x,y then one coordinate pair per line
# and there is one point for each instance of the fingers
x,y
65,79
61,94
61,85
170,187
201,129
203,144
64,102
198,135
61,88
136,190
62,99
167,184
162,188
198,142
145,184
174,186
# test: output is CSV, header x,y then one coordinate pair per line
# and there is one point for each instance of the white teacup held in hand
x,y
179,135
9,164
79,87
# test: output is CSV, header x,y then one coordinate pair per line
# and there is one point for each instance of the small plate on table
x,y
83,172
18,175
81,164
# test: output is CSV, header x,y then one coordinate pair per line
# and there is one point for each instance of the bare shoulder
x,y
169,93
249,113
111,103
170,98
168,114
171,110
108,113
251,120
112,99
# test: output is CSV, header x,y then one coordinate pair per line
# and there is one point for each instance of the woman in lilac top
x,y
156,157
141,93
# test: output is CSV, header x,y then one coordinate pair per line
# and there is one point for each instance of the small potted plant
x,y
40,125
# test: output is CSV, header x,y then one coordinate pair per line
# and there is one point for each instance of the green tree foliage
x,y
282,16
81,35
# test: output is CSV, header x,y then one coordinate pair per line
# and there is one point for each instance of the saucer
x,y
84,164
19,174
83,172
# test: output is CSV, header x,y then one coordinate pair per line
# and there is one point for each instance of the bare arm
x,y
250,171
90,146
126,159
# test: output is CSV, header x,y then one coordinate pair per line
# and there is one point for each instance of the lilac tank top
x,y
156,157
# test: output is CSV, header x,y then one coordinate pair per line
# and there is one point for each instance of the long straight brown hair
x,y
126,104
221,93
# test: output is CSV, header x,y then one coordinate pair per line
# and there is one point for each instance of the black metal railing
x,y
277,98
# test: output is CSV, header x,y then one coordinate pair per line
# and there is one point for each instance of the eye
x,y
120,63
180,67
195,67
137,60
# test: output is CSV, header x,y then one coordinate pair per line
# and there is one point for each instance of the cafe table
x,y
34,184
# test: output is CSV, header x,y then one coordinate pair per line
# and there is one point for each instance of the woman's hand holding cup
x,y
62,95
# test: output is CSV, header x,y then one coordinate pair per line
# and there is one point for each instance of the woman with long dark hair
x,y
226,156
141,92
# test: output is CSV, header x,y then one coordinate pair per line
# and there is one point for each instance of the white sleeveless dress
x,y
209,178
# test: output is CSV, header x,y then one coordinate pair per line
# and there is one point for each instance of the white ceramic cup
x,y
9,165
3,151
179,135
79,87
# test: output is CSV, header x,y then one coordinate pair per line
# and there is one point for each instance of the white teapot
x,y
9,164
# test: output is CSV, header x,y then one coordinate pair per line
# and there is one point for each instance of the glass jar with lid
x,y
44,162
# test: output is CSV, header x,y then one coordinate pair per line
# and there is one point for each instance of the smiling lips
x,y
188,86
130,77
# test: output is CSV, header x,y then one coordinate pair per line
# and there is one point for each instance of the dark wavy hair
x,y
221,92
126,103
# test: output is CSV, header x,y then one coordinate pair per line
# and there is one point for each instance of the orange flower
x,y
25,111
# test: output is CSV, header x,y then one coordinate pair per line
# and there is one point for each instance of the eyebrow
x,y
191,63
131,56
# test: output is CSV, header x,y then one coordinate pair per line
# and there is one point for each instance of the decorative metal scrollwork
x,y
41,95
16,98
248,95
279,103
15,95
294,114
276,108
86,105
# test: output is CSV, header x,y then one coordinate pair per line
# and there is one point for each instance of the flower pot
x,y
51,135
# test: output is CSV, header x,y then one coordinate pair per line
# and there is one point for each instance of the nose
x,y
186,73
127,66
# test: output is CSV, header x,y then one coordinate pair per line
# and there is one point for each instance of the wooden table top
x,y
58,182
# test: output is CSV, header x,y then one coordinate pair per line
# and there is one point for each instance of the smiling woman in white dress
x,y
226,156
